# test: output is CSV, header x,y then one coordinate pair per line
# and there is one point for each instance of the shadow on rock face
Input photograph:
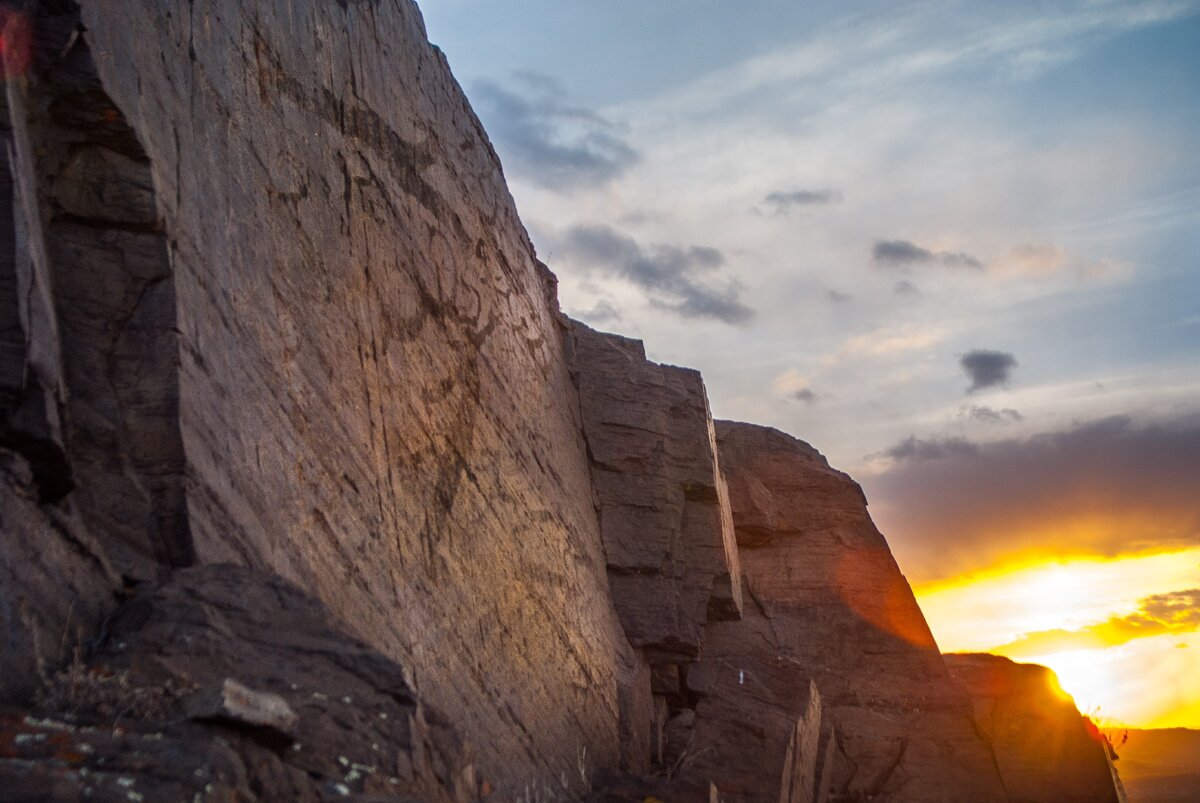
x,y
231,679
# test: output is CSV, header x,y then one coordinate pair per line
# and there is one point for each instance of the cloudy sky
x,y
954,245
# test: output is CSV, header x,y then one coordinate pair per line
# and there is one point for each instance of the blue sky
x,y
838,211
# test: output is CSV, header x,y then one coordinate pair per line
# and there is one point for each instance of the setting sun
x,y
1119,633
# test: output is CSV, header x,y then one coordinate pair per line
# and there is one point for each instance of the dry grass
x,y
99,694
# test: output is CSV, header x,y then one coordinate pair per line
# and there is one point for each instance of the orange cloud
x,y
1174,612
951,507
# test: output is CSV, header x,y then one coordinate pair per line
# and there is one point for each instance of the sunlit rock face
x,y
1045,749
664,508
825,604
298,326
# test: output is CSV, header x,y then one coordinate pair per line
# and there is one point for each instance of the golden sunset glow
x,y
1121,634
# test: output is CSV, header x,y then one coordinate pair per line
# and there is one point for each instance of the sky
x,y
953,245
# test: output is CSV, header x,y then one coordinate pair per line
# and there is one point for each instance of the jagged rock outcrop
x,y
664,520
663,505
267,301
1045,749
825,604
230,684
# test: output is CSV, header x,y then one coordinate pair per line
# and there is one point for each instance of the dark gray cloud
x,y
547,140
838,297
674,279
604,312
990,415
805,395
1173,612
913,449
1107,487
780,203
906,288
986,368
903,254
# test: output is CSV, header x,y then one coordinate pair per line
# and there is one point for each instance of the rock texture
x,y
232,684
267,301
1045,749
56,587
664,508
826,604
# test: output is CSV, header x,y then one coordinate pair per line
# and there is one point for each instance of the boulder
x,y
314,712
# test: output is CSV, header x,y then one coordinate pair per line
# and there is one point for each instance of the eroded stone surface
x,y
826,603
1045,749
346,713
372,396
664,511
55,586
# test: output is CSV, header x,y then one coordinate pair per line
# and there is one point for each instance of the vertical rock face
x,y
89,431
825,604
664,509
1045,749
291,321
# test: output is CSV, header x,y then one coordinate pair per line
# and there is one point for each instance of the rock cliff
x,y
1044,749
833,664
310,491
285,316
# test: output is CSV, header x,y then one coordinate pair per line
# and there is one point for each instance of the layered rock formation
x,y
663,505
832,679
1045,750
314,492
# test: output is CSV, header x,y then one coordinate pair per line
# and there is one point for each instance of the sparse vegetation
x,y
100,694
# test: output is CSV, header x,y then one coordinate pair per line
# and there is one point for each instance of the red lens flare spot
x,y
16,43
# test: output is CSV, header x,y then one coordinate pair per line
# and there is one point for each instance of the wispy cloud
x,y
902,253
780,203
603,312
1039,260
887,341
676,279
883,49
793,385
1174,612
989,415
548,141
916,450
